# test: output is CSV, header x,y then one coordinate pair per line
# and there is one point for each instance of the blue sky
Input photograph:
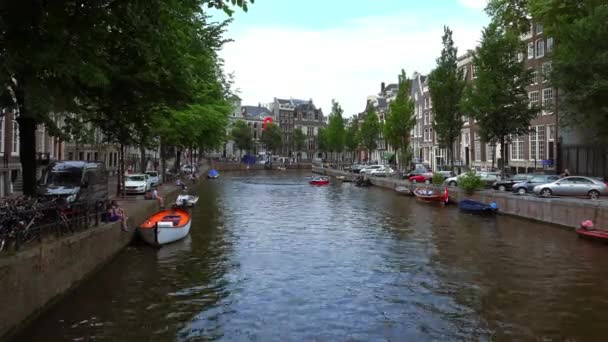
x,y
341,49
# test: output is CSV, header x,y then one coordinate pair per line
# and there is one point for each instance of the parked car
x,y
528,186
154,177
418,170
421,178
488,177
76,181
507,184
137,183
382,172
356,168
573,186
446,174
368,169
188,168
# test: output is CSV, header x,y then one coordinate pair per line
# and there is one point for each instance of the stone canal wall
x,y
37,275
224,166
566,212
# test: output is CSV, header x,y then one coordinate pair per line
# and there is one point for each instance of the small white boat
x,y
185,200
165,227
281,168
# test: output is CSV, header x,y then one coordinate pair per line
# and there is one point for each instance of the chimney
x,y
259,104
382,86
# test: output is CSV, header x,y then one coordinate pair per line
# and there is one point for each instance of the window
x,y
530,50
15,150
551,132
426,134
534,100
475,71
546,68
466,139
477,150
539,28
548,98
490,151
520,56
430,134
540,48
538,144
549,44
517,148
534,76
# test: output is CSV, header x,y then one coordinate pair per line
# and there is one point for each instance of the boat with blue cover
x,y
212,174
475,207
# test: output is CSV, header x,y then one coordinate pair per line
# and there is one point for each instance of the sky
x,y
340,49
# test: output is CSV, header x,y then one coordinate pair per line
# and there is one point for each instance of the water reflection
x,y
273,259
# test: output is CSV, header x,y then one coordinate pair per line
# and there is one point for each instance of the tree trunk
x,y
503,151
142,153
121,174
162,160
192,158
178,157
27,144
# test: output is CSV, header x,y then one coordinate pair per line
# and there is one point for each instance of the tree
x,y
241,134
271,137
322,143
400,119
446,85
87,51
579,69
497,98
351,141
335,128
299,140
370,130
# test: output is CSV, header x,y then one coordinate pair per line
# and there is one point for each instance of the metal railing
x,y
28,224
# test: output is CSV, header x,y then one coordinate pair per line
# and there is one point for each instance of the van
x,y
78,182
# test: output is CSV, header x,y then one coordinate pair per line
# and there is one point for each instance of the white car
x,y
369,168
382,172
188,169
137,183
154,178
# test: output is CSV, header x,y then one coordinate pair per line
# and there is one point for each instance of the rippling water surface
x,y
271,258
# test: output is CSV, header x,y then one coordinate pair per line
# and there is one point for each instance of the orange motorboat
x,y
166,226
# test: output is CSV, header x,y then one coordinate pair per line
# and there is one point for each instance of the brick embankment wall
x,y
37,275
566,212
223,166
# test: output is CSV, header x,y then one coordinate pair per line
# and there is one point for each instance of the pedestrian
x,y
566,173
116,213
158,198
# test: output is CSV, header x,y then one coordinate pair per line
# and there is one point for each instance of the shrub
x,y
470,182
438,178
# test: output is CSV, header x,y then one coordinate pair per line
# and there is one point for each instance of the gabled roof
x,y
255,111
391,87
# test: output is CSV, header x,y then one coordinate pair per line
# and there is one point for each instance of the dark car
x,y
507,184
77,182
528,185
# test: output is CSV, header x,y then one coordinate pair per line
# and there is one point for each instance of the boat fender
x,y
494,206
587,224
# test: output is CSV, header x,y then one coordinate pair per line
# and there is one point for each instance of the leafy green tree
x,y
271,137
400,119
446,85
351,141
322,143
497,98
299,140
89,52
579,68
370,130
241,134
335,129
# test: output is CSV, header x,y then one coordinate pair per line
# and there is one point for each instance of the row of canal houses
x,y
535,151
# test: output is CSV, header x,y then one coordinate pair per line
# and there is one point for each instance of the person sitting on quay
x,y
116,213
179,182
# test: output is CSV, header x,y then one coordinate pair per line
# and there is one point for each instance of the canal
x,y
271,258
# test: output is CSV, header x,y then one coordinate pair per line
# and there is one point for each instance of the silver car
x,y
573,186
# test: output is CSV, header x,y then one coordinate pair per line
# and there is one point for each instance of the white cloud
x,y
346,63
474,4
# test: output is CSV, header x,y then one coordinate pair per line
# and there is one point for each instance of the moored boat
x,y
281,168
213,174
403,190
475,207
587,230
431,196
165,226
185,200
319,181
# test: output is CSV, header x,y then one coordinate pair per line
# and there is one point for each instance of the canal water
x,y
271,258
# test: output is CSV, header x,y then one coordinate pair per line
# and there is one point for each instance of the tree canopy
x,y
446,86
400,119
351,141
241,134
497,98
271,137
335,129
370,130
